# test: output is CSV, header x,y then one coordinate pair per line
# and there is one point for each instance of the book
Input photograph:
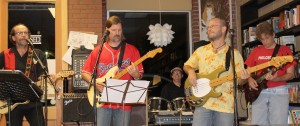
x,y
287,39
275,23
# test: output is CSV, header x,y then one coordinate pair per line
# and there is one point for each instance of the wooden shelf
x,y
291,31
249,19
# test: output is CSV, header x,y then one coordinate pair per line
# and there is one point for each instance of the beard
x,y
215,35
116,38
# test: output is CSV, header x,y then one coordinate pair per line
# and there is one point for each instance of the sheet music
x,y
114,91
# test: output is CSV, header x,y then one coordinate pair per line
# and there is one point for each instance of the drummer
x,y
174,89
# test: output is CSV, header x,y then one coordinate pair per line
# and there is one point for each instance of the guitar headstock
x,y
281,60
152,53
65,73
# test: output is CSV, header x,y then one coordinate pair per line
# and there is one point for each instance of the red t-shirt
x,y
261,55
108,59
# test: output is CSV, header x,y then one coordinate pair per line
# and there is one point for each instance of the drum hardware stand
x,y
180,111
94,73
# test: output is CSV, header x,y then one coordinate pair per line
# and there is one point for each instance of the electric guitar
x,y
111,74
250,94
204,89
4,106
65,73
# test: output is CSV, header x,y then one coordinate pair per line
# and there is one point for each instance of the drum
x,y
156,104
180,104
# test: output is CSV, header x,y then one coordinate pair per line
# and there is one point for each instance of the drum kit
x,y
158,104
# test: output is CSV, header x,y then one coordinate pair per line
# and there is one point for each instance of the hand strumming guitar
x,y
191,75
100,86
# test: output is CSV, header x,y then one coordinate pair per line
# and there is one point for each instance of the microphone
x,y
29,42
106,32
231,31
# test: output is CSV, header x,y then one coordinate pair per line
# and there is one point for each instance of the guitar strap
x,y
228,56
29,61
275,52
121,54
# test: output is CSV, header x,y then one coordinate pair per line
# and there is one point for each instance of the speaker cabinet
x,y
76,108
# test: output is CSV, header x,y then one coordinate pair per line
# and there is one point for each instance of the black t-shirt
x,y
171,91
20,62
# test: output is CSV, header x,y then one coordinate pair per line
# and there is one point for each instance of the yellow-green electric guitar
x,y
204,89
111,75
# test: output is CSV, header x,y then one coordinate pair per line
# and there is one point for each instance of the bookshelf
x,y
251,14
250,17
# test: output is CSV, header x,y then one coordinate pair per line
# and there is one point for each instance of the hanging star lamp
x,y
160,35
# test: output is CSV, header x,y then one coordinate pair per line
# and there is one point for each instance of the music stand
x,y
15,86
124,91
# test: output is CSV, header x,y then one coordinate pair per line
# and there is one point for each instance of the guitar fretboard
x,y
224,79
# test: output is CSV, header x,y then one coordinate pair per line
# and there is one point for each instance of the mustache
x,y
117,36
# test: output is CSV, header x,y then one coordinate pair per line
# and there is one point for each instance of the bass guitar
x,y
111,75
204,89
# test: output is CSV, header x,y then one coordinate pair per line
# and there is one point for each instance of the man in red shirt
x,y
119,114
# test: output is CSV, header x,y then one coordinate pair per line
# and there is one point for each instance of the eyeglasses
x,y
22,33
212,26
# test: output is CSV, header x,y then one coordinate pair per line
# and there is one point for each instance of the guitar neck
x,y
224,79
123,72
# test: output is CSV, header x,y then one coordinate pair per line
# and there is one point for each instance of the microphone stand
x,y
93,79
236,122
46,76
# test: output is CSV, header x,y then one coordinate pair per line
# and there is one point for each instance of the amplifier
x,y
76,108
173,120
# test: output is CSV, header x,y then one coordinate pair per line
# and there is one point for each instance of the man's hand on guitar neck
x,y
270,76
134,71
244,75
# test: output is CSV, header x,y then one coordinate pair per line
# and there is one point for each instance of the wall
x,y
3,28
86,16
176,5
195,22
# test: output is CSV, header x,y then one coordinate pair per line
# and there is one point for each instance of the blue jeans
x,y
206,117
271,107
119,117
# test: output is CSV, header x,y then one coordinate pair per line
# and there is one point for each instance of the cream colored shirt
x,y
206,61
